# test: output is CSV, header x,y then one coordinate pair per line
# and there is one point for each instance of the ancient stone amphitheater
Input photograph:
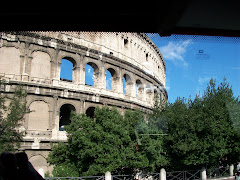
x,y
33,59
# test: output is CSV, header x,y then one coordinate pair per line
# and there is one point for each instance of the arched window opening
x,y
111,80
90,112
155,92
148,88
108,80
125,41
127,84
124,85
65,112
156,95
67,69
139,89
91,74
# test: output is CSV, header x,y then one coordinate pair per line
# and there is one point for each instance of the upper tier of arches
x,y
134,48
60,64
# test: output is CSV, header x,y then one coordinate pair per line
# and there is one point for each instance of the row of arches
x,y
65,113
91,73
40,67
39,118
111,77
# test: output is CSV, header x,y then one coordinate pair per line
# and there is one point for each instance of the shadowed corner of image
x,y
16,166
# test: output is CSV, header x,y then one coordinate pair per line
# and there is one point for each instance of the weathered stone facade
x,y
33,59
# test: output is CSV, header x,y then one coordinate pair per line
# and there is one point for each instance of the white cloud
x,y
204,80
175,51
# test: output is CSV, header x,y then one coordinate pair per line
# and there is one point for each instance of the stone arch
x,y
9,60
127,84
116,69
41,65
65,112
139,89
156,91
44,50
68,69
156,94
71,59
38,118
69,56
92,63
92,76
39,163
111,79
90,111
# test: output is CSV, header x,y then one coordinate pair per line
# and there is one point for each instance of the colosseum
x,y
34,60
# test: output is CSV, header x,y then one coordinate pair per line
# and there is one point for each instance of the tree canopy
x,y
186,134
201,132
107,143
12,111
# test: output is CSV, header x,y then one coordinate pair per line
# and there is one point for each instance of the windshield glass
x,y
191,61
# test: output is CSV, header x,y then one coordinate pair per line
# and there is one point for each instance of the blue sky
x,y
192,61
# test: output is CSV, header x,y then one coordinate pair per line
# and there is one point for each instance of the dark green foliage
x,y
201,131
107,143
10,117
64,170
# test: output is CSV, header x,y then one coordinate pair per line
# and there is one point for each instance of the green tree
x,y
201,131
12,110
107,143
157,121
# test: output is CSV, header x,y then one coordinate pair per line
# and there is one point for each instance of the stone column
x,y
115,84
104,82
77,70
55,68
97,79
134,92
120,82
58,70
55,121
24,63
29,65
75,75
140,93
53,55
101,81
129,89
81,110
82,71
149,97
